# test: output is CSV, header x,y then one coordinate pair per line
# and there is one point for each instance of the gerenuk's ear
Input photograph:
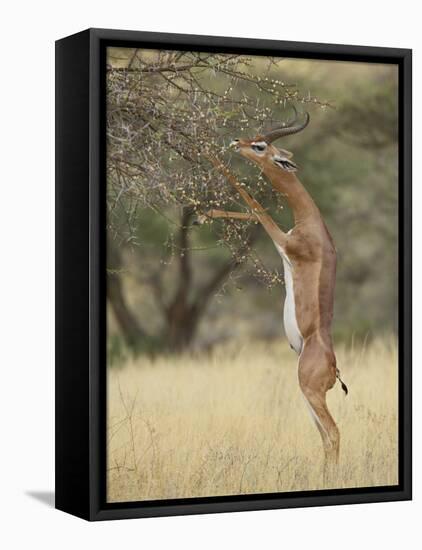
x,y
285,153
285,163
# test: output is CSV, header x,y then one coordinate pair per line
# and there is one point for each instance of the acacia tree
x,y
164,111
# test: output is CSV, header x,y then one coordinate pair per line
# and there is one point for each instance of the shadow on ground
x,y
45,497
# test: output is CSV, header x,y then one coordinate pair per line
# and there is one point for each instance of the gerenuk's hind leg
x,y
317,374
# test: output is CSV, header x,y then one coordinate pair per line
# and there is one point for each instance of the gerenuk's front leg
x,y
225,214
269,225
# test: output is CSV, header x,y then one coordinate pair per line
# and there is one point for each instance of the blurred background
x,y
174,286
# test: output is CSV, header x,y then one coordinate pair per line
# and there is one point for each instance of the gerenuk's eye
x,y
259,147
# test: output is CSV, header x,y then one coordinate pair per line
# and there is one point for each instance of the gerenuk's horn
x,y
286,130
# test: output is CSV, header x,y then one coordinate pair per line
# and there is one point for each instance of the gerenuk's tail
x,y
343,385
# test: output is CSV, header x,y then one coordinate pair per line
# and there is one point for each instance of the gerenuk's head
x,y
261,150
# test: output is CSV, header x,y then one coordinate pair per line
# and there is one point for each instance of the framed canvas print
x,y
233,274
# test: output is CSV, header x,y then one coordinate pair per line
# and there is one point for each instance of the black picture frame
x,y
81,285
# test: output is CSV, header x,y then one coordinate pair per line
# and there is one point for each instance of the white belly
x,y
290,323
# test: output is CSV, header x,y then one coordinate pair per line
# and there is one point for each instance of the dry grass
x,y
235,422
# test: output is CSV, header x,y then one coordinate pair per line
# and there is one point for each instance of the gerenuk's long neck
x,y
298,198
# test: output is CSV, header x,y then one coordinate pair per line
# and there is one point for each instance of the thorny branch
x,y
163,110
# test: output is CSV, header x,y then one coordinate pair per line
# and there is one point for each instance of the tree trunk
x,y
185,312
186,308
180,318
182,324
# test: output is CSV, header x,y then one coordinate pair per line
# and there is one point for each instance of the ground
x,y
234,421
